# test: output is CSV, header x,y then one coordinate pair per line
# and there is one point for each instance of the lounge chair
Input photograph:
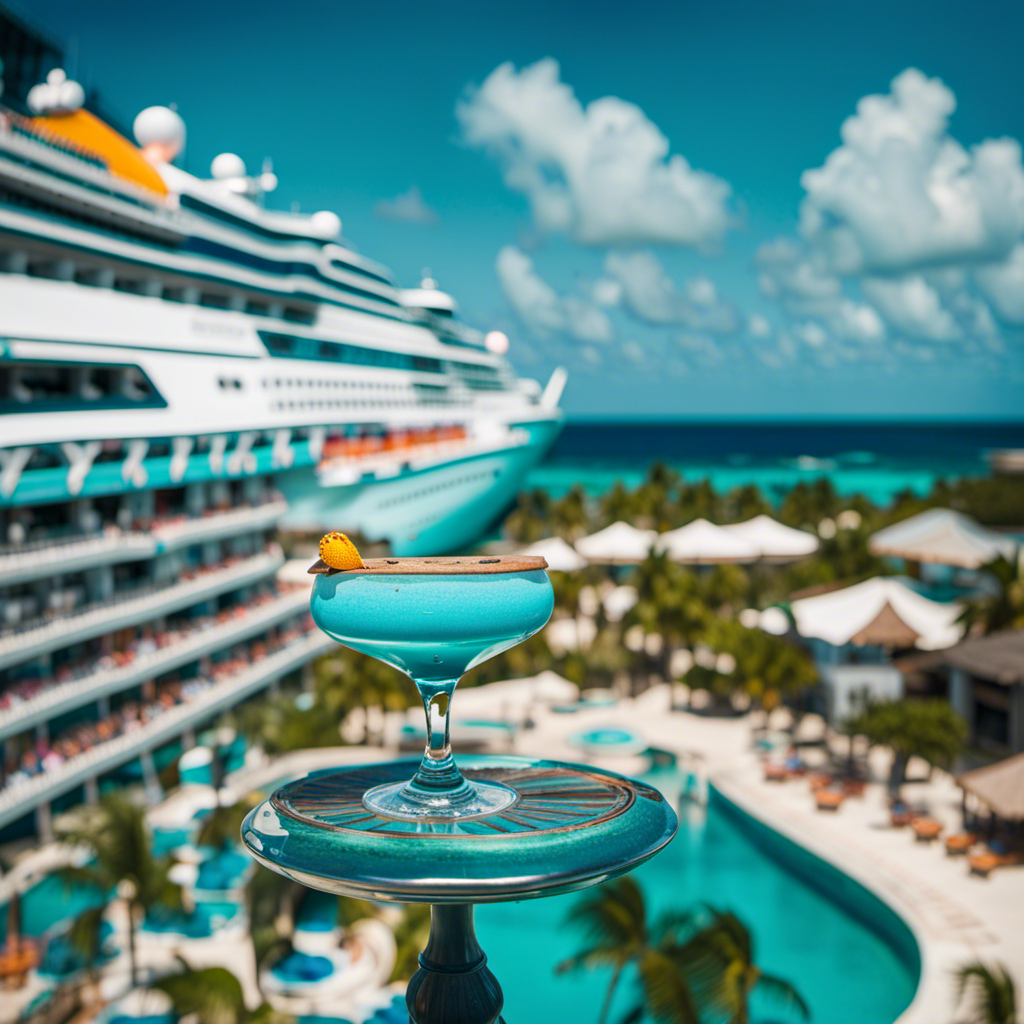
x,y
926,829
900,814
854,787
960,843
818,780
775,772
998,855
829,799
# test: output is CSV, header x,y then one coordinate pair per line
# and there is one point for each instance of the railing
x,y
24,796
32,638
74,693
68,552
185,531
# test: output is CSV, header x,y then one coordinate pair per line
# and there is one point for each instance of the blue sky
x,y
701,240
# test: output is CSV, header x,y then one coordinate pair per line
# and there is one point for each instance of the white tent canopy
x,y
944,537
773,539
878,611
703,543
561,555
618,544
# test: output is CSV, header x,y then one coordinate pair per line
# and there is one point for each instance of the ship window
x,y
213,300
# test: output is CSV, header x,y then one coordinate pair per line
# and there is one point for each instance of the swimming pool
x,y
853,965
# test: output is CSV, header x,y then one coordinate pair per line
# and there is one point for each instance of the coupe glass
x,y
434,619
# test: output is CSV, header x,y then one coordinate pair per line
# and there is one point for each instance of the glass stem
x,y
438,774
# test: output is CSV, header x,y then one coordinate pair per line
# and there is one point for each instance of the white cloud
x,y
759,326
1003,285
651,295
633,352
541,308
900,193
800,280
912,307
408,206
601,173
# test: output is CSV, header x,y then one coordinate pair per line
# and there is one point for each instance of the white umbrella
x,y
774,540
560,555
703,543
618,544
943,537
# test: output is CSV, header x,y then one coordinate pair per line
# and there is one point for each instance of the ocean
x,y
878,460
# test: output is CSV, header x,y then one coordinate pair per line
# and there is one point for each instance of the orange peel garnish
x,y
337,551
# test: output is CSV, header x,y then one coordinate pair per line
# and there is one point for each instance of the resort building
x,y
986,686
855,632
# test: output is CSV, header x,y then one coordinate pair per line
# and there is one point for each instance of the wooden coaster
x,y
462,565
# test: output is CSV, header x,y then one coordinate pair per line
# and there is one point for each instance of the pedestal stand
x,y
569,827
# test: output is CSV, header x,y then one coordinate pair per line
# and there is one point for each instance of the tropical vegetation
x,y
993,994
690,966
925,728
123,867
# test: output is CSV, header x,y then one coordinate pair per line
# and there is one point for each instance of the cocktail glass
x,y
434,619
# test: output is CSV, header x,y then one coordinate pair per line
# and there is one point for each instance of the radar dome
x,y
326,224
57,95
496,342
160,132
226,166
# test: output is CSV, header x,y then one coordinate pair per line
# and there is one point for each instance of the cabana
x,y
854,630
703,543
774,541
941,536
999,786
561,556
618,544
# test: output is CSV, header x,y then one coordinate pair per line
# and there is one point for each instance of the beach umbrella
x,y
773,540
878,611
561,556
943,537
703,543
618,544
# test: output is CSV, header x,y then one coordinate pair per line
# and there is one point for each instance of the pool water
x,y
847,972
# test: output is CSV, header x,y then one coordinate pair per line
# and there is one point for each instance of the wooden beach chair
x,y
775,772
926,829
900,815
960,843
996,856
829,799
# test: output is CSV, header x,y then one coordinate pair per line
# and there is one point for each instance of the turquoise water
x,y
302,967
878,460
845,970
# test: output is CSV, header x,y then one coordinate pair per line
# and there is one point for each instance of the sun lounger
x,y
926,829
996,856
960,843
829,799
854,787
818,780
900,814
775,772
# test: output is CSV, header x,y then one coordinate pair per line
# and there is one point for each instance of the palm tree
x,y
214,996
719,964
618,933
123,863
1002,609
617,504
570,513
995,996
929,729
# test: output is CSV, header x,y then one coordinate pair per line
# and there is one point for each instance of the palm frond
x,y
668,997
783,992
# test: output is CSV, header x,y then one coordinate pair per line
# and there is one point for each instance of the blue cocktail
x,y
434,619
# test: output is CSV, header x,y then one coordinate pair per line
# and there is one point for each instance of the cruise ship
x,y
183,371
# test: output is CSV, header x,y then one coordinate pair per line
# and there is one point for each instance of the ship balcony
x,y
35,638
61,697
50,556
218,523
24,795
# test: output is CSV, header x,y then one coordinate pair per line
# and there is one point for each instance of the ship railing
x,y
55,551
101,682
23,795
29,639
219,522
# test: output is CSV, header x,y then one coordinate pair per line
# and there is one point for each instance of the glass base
x,y
405,801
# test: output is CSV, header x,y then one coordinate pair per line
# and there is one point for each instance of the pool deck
x,y
955,917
